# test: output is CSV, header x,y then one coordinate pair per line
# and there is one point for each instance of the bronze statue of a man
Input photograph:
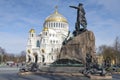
x,y
81,20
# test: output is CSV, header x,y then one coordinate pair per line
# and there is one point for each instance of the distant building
x,y
101,60
44,48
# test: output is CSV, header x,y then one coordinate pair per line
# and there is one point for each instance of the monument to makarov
x,y
83,41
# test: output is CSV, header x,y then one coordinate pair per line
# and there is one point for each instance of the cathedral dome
x,y
56,17
32,31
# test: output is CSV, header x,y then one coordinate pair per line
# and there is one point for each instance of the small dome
x,y
45,29
56,17
32,31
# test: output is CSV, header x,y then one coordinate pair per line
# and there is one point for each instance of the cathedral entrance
x,y
36,57
43,58
29,58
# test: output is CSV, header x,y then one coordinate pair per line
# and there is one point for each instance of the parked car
x,y
10,63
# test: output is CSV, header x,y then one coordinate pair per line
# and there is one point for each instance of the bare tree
x,y
22,56
2,53
113,52
116,47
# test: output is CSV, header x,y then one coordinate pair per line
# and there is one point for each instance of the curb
x,y
50,73
116,73
93,77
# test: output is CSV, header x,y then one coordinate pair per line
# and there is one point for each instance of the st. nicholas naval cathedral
x,y
44,48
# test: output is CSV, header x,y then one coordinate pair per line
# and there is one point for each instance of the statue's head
x,y
80,4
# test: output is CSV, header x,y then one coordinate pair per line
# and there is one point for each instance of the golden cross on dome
x,y
56,9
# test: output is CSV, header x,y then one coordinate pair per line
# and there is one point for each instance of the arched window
x,y
53,41
32,35
46,33
49,24
50,41
54,24
59,25
38,43
52,49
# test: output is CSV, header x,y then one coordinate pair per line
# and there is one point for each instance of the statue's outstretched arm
x,y
74,7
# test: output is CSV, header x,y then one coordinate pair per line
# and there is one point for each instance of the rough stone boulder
x,y
78,47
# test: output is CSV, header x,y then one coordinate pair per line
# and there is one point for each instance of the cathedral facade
x,y
45,47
